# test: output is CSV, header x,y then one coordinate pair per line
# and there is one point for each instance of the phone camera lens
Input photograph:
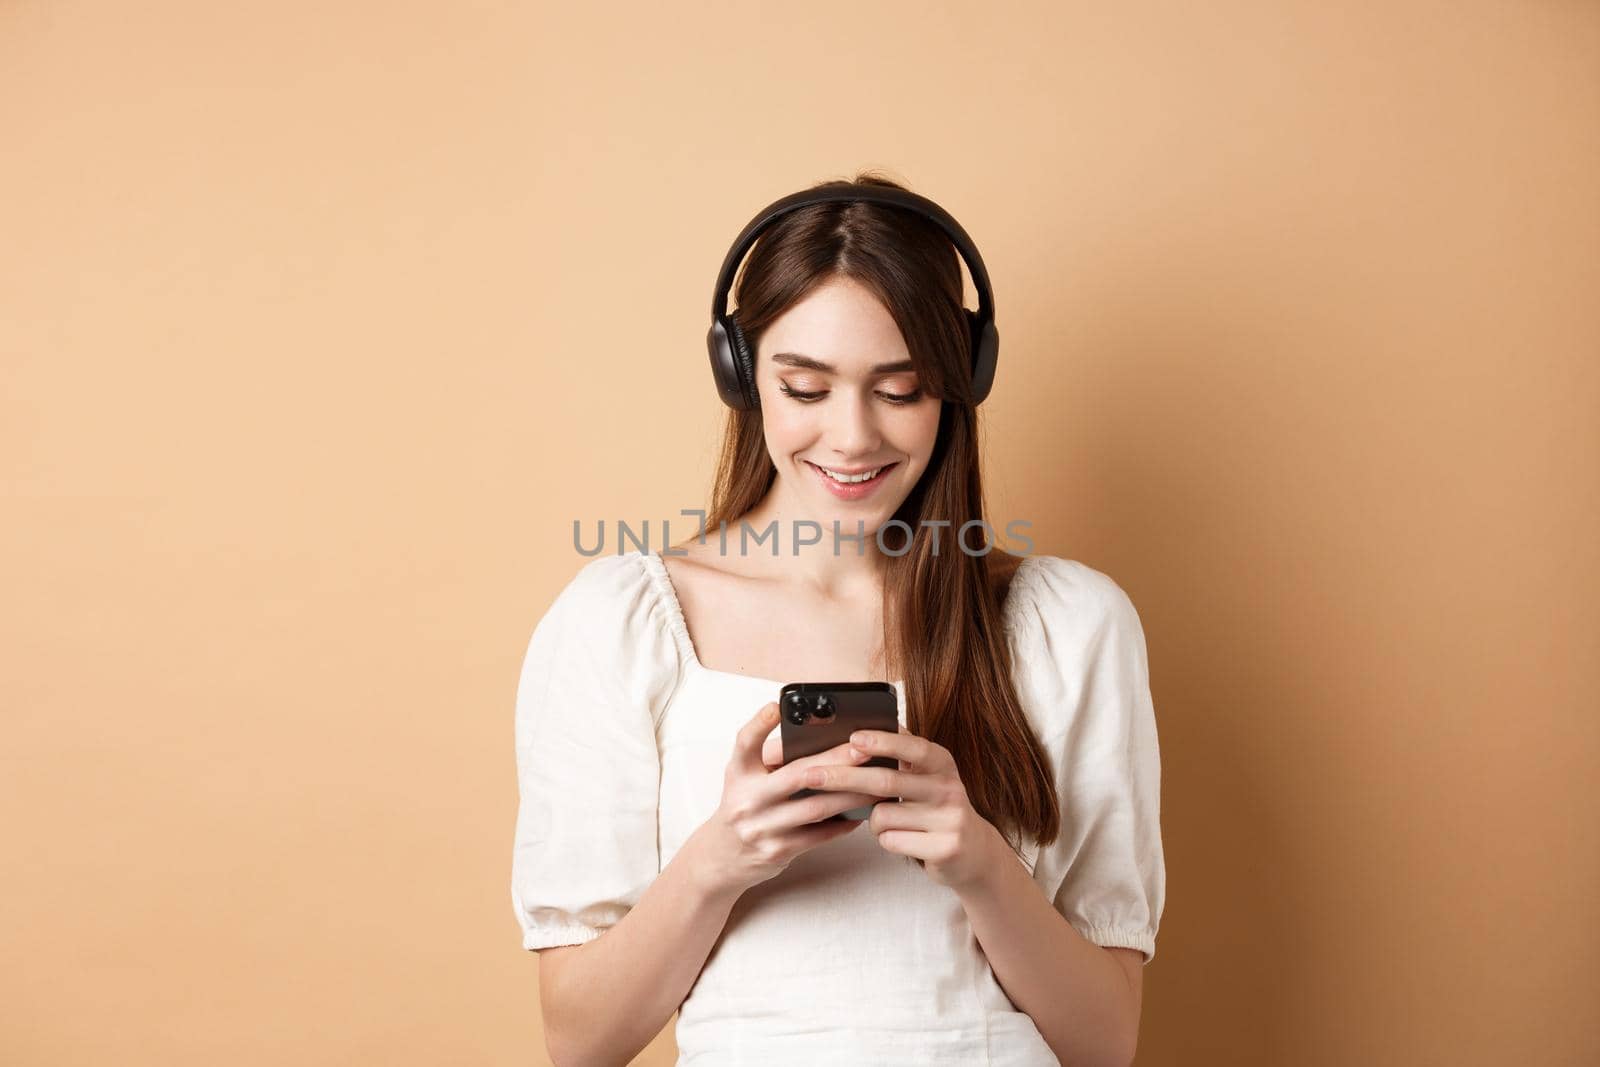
x,y
824,706
796,711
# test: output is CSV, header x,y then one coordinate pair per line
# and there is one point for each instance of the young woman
x,y
998,904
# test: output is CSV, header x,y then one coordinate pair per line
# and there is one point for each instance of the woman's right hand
x,y
757,829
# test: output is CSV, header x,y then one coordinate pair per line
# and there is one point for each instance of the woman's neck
x,y
850,570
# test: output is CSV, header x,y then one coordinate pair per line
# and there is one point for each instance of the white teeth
x,y
850,479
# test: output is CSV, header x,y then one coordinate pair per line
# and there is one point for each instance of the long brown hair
x,y
943,613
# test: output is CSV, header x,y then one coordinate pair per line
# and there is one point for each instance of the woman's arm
x,y
1077,993
1083,999
605,1000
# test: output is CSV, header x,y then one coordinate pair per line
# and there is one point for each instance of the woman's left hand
x,y
933,820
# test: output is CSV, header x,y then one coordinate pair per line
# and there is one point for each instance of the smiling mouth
x,y
867,474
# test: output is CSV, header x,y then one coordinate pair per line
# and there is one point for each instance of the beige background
x,y
322,322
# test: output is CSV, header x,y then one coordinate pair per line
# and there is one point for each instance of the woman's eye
x,y
811,398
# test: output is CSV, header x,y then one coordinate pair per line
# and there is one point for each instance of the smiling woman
x,y
1011,880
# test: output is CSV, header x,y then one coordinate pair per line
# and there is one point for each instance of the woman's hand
x,y
933,820
757,829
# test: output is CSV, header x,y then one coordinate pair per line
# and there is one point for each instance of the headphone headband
x,y
733,360
872,194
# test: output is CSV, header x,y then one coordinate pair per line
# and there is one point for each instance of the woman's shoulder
x,y
1055,595
615,596
1075,636
609,630
607,582
1066,579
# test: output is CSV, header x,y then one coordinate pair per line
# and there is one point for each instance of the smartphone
x,y
817,716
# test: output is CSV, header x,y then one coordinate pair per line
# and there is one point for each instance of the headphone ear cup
x,y
985,354
744,361
723,344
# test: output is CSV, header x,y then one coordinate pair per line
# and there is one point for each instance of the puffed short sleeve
x,y
1083,668
599,669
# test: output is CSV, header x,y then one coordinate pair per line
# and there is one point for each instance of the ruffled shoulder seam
x,y
666,598
628,579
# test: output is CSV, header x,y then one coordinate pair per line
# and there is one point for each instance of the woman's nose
x,y
854,432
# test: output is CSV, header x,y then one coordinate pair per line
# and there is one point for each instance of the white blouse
x,y
852,954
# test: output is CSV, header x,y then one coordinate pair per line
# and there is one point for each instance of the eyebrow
x,y
795,359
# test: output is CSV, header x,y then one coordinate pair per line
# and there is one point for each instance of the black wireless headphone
x,y
733,362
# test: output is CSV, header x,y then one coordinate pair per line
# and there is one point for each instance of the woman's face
x,y
838,392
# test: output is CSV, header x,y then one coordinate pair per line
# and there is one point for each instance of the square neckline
x,y
662,580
